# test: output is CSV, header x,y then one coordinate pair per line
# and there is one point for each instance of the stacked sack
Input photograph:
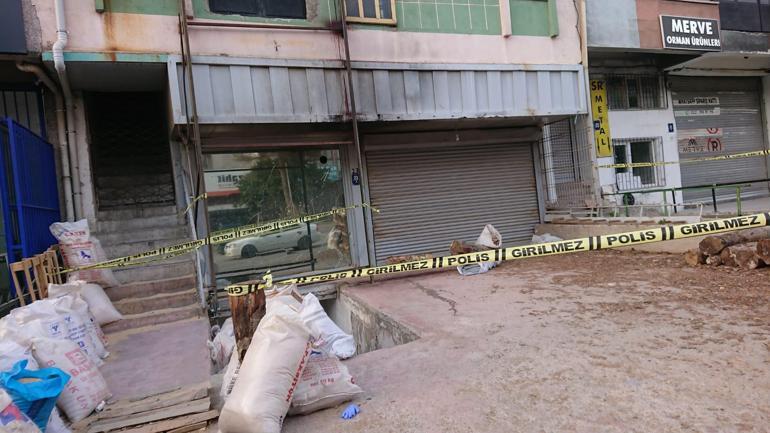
x,y
291,367
59,334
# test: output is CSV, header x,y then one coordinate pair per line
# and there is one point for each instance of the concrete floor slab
x,y
595,342
157,359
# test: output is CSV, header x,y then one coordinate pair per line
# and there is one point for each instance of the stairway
x,y
156,293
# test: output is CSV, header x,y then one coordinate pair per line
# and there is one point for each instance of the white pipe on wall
x,y
61,70
61,129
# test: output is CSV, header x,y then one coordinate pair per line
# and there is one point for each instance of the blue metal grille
x,y
30,197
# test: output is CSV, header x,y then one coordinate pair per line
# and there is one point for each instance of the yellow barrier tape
x,y
218,237
193,201
593,243
753,154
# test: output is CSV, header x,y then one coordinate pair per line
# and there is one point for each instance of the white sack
x,y
545,238
86,389
79,248
43,318
56,424
222,346
490,237
269,374
230,376
75,304
14,348
98,301
476,268
327,336
12,419
325,383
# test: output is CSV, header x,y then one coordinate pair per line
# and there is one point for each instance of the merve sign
x,y
683,33
600,112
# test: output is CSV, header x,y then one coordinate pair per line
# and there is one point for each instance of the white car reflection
x,y
292,238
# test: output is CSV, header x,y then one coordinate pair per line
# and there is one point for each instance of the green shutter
x,y
534,18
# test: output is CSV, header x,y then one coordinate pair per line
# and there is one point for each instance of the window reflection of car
x,y
293,238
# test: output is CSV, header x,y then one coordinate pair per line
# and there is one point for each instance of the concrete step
x,y
109,226
131,212
128,248
156,271
123,236
141,289
156,317
157,302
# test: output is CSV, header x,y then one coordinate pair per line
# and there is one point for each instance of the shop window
x,y
534,18
636,92
261,187
371,11
745,15
635,151
260,8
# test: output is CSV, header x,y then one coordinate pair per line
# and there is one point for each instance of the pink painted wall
x,y
90,31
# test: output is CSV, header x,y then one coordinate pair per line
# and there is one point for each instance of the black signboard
x,y
685,33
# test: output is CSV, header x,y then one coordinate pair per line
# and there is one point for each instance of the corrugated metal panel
x,y
740,117
261,91
429,197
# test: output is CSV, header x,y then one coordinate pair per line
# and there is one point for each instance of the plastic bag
x,y
476,268
325,383
79,248
34,391
269,374
86,389
73,305
222,346
489,238
98,302
12,419
327,336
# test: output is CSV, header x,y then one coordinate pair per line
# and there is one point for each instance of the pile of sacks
x,y
50,351
291,367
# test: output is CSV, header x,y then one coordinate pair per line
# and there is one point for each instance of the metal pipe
x,y
61,129
354,117
738,200
61,71
199,186
714,197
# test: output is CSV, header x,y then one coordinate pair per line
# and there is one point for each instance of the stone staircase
x,y
159,292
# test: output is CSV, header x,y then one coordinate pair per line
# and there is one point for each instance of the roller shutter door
x,y
430,197
734,107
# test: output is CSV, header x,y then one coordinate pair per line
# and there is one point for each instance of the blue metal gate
x,y
28,189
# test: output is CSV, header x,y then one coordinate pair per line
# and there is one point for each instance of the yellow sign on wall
x,y
601,118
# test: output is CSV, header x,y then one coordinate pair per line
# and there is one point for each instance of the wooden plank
x,y
111,424
176,423
153,402
191,427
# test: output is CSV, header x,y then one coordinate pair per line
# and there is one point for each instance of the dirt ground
x,y
598,342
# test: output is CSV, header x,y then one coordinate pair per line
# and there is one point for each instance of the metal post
x,y
738,200
714,197
666,209
673,196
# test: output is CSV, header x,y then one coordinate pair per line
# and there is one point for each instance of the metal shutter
x,y
741,120
430,197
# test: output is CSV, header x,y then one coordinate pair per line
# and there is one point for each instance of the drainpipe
x,y
61,70
61,128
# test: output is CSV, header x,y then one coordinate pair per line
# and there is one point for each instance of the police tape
x,y
753,154
592,243
218,237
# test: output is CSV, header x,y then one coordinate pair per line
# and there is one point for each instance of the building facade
x,y
253,102
684,80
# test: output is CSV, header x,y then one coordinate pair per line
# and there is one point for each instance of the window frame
x,y
266,16
658,94
360,19
656,153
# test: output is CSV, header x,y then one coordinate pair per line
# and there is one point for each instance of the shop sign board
x,y
600,110
704,140
686,33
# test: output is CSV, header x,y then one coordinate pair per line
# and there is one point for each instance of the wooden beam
x,y
118,423
176,423
247,311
